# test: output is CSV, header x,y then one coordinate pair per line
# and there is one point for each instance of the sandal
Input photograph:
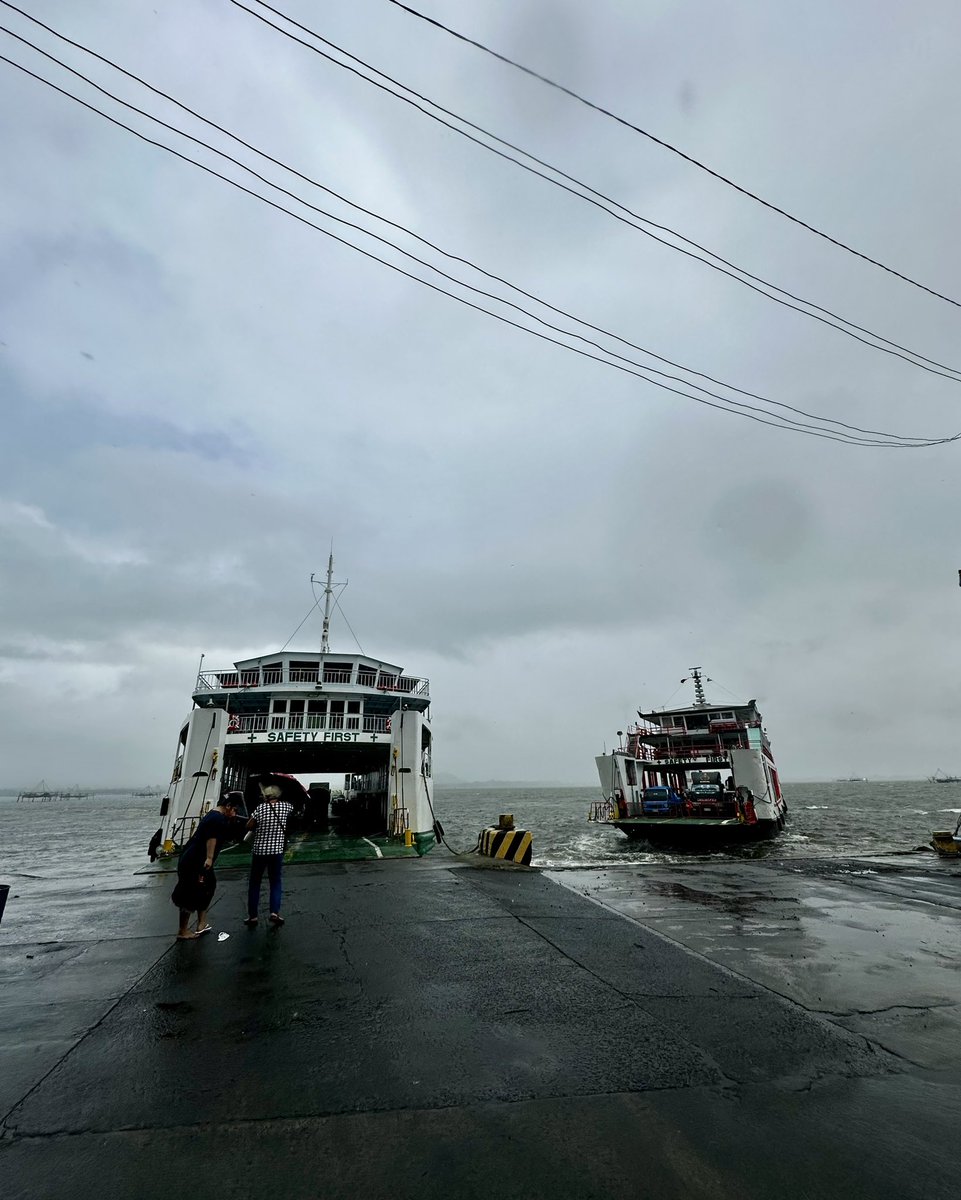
x,y
276,919
206,929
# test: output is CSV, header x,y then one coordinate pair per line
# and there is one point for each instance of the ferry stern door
x,y
410,793
195,781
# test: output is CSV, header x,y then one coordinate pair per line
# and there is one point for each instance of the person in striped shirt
x,y
269,822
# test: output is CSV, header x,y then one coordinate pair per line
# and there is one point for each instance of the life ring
x,y
233,725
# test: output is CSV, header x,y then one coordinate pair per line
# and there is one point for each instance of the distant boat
x,y
940,777
853,779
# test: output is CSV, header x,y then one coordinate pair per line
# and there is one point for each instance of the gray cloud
x,y
198,394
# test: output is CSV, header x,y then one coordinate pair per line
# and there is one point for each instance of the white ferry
x,y
301,713
702,772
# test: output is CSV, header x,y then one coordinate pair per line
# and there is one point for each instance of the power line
x,y
725,406
419,261
618,211
673,149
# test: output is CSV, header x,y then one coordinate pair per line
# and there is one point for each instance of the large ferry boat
x,y
298,713
701,772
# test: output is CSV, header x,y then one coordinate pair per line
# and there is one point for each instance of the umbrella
x,y
291,789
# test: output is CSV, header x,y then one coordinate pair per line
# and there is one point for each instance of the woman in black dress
x,y
196,881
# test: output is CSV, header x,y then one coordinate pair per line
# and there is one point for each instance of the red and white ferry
x,y
702,772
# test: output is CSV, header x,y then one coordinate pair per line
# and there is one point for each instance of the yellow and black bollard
x,y
502,841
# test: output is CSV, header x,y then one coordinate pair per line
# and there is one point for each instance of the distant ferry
x,y
290,713
702,772
939,777
853,779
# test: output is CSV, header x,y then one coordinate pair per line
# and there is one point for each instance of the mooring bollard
x,y
502,841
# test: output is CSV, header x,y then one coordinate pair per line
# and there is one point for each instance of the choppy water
x,y
106,836
824,819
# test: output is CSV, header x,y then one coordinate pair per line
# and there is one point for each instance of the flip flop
x,y
206,929
276,919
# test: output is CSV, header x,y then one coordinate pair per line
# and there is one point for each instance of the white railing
x,y
261,722
233,680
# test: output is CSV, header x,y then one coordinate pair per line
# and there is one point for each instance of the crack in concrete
x,y
871,1012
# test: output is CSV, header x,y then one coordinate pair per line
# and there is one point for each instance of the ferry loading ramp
x,y
424,1029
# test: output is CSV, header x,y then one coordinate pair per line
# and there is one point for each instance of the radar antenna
x,y
698,685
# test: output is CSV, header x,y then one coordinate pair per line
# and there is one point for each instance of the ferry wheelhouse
x,y
297,713
696,773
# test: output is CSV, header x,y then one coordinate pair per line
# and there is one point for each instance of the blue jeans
x,y
274,864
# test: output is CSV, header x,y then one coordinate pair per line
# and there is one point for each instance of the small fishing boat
x,y
940,777
697,773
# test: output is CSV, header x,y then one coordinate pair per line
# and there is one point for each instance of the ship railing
x,y
683,747
602,810
232,679
262,722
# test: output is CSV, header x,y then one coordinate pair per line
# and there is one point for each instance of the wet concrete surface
x,y
428,1029
873,944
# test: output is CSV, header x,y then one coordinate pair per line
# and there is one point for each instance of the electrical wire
x,y
622,214
192,112
726,405
673,149
800,425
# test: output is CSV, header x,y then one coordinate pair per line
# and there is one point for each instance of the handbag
x,y
281,826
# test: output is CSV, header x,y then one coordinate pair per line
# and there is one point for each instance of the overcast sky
x,y
200,393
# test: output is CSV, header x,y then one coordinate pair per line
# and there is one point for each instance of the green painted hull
x,y
319,848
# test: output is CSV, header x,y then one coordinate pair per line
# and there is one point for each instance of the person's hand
x,y
208,864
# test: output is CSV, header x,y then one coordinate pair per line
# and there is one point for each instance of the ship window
x,y
336,706
338,672
316,706
353,706
297,706
304,672
279,706
678,722
697,721
273,673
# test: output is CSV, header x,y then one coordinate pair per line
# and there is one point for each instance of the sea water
x,y
105,835
824,820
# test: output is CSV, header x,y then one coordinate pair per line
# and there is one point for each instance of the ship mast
x,y
698,685
328,593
